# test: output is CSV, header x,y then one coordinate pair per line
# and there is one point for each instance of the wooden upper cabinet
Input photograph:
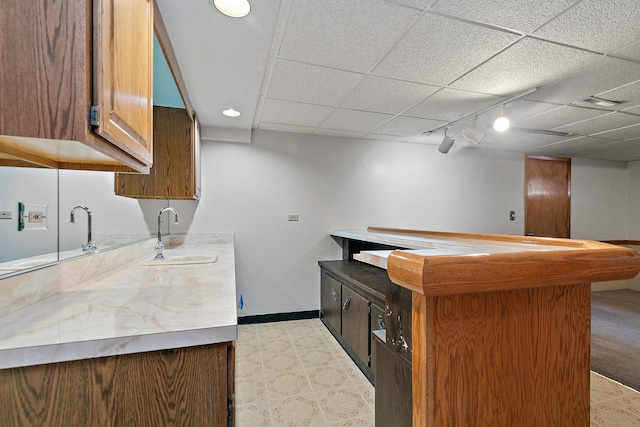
x,y
123,75
60,58
175,173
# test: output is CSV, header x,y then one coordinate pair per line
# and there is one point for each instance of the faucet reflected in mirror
x,y
91,245
159,246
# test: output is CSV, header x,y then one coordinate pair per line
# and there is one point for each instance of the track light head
x,y
447,143
474,133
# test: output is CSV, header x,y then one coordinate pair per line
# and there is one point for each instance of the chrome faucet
x,y
91,245
159,246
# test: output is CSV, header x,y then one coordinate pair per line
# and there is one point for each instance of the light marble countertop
x,y
433,245
129,309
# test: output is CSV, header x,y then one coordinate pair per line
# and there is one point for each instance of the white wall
x,y
27,185
335,183
599,200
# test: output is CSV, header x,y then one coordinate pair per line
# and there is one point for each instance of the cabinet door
x,y
393,388
377,323
330,294
123,75
355,322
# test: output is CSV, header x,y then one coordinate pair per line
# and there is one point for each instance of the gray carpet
x,y
615,335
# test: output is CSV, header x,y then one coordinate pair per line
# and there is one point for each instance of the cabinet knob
x,y
346,304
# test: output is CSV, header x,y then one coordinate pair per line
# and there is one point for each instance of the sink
x,y
185,259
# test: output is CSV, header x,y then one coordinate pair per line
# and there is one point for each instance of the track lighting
x,y
447,143
502,123
474,133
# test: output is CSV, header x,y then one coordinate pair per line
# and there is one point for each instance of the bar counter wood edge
x,y
503,339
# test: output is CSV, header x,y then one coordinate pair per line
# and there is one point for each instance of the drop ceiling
x,y
404,70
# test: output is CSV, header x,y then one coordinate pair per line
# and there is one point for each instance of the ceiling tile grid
x,y
294,113
395,69
606,122
408,126
382,95
350,35
355,121
295,81
598,25
525,64
438,50
523,15
451,104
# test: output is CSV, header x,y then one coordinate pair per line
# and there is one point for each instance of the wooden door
x,y
123,75
355,323
547,207
330,296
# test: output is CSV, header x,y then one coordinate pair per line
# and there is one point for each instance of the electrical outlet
x,y
294,217
512,215
36,217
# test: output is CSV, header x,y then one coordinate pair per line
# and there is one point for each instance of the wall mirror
x,y
45,197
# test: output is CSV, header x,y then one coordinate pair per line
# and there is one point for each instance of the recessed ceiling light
x,y
232,8
230,112
602,102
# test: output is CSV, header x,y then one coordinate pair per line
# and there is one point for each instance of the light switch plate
x,y
5,214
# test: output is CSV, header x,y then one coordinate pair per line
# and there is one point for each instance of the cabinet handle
x,y
381,322
335,295
345,306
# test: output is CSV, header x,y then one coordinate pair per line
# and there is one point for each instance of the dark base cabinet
x,y
349,294
393,388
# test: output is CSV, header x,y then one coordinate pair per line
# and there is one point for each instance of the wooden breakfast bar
x,y
501,324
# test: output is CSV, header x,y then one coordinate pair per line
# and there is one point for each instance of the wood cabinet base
x,y
188,386
508,358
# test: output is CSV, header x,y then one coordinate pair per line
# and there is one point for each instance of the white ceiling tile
x,y
521,109
600,76
293,81
558,117
575,143
524,65
504,147
438,50
355,121
293,113
350,35
381,95
339,133
278,34
519,15
629,132
451,104
395,138
408,126
606,122
531,140
629,95
285,128
632,51
599,25
620,151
